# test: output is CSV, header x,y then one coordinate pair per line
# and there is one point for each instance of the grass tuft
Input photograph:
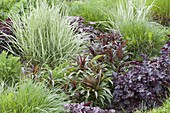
x,y
44,35
131,20
29,97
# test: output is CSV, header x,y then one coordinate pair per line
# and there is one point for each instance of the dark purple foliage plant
x,y
85,108
145,84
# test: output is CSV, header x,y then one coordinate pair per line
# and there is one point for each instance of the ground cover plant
x,y
84,107
146,83
10,68
7,6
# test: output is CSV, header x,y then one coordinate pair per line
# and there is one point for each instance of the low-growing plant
x,y
5,6
10,68
146,83
86,108
44,35
38,74
59,71
29,97
44,74
15,6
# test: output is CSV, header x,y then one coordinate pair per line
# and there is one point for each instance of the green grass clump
x,y
131,20
160,6
161,9
29,97
91,10
10,68
44,35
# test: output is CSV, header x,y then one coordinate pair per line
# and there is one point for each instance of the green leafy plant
x,y
38,74
87,81
5,6
44,35
10,67
29,97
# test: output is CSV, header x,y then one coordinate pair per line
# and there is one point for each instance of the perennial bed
x,y
71,56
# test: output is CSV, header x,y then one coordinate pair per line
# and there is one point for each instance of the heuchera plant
x,y
145,84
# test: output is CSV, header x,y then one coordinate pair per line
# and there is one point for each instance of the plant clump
x,y
88,77
10,68
145,84
85,108
30,97
130,18
44,35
